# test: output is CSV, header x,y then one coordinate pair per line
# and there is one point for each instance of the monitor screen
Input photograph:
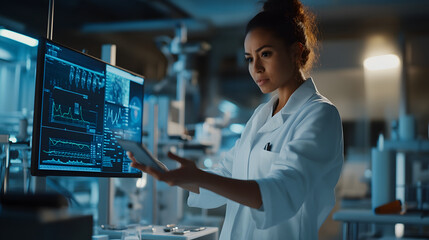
x,y
82,105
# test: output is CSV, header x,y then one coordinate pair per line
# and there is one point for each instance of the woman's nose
x,y
257,66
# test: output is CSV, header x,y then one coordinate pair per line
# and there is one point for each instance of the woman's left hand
x,y
186,176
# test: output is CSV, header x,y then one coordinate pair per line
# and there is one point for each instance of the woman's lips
x,y
261,82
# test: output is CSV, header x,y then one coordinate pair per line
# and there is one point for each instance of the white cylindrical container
x,y
407,127
383,182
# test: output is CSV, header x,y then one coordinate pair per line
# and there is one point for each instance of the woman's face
x,y
271,63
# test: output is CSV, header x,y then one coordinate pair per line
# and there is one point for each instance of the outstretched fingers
x,y
151,171
173,177
181,160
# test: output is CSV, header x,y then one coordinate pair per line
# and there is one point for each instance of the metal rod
x,y
6,173
106,186
403,102
155,151
24,170
345,230
50,29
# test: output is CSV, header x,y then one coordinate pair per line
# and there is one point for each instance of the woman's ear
x,y
297,50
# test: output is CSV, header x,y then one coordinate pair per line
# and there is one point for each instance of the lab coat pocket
x,y
265,162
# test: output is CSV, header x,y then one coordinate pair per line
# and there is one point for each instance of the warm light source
x,y
19,37
381,62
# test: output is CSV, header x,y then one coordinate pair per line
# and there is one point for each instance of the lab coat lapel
x,y
296,100
272,123
241,166
260,124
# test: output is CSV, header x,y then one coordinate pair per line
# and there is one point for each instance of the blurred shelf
x,y
407,146
368,216
351,218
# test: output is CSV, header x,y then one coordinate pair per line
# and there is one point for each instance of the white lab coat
x,y
296,178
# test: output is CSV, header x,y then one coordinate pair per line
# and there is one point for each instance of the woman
x,y
278,180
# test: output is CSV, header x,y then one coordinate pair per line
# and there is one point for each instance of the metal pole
x,y
6,173
151,202
346,230
50,29
106,211
155,206
403,102
106,186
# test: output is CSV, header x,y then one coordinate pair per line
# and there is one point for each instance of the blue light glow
x,y
208,163
13,139
236,128
228,107
5,55
19,37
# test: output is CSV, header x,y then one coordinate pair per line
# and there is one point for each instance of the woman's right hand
x,y
186,176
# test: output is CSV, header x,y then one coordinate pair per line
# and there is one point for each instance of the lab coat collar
x,y
299,97
296,100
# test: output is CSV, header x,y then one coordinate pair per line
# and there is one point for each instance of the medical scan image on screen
x,y
85,106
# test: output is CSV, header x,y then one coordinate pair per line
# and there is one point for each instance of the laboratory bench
x,y
25,223
157,232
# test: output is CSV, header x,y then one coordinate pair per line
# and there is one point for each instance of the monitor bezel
x,y
35,171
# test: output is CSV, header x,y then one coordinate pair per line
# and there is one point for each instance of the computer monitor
x,y
82,105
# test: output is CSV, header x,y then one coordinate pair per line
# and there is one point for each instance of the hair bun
x,y
292,9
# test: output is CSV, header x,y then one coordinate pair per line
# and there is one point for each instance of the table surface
x,y
157,232
367,215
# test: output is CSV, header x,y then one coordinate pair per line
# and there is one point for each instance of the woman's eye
x,y
266,54
248,60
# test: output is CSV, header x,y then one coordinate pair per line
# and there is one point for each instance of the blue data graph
x,y
82,105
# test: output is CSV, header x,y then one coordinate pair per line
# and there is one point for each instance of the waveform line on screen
x,y
68,154
68,115
114,117
79,145
79,163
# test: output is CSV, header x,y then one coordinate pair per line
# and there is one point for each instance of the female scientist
x,y
278,180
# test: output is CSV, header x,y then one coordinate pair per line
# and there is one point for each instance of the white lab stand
x,y
352,218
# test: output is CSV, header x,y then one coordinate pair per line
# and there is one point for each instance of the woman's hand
x,y
191,178
186,176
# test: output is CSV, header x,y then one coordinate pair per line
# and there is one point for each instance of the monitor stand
x,y
38,184
106,197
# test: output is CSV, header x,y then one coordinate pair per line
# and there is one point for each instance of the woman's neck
x,y
285,92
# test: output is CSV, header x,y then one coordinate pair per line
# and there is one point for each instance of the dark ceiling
x,y
132,24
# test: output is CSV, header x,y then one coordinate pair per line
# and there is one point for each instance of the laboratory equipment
x,y
383,175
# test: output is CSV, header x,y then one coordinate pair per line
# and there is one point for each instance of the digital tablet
x,y
142,154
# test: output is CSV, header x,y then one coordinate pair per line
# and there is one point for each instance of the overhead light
x,y
382,62
19,37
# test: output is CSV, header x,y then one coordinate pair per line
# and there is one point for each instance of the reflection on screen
x,y
86,104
